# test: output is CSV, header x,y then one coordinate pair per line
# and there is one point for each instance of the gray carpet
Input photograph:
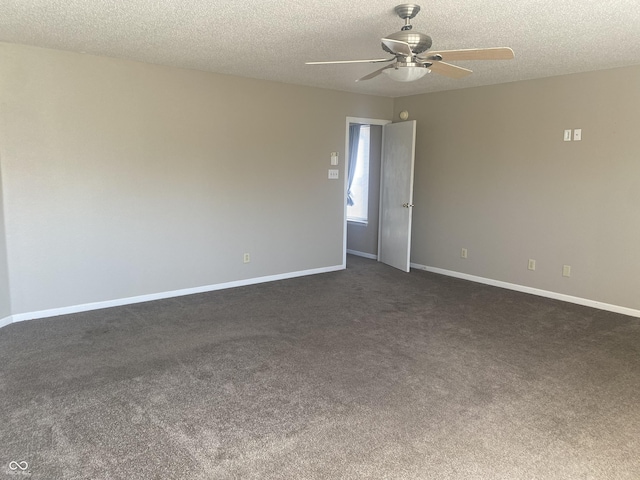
x,y
363,373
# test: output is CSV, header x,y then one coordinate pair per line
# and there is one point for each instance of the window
x,y
358,181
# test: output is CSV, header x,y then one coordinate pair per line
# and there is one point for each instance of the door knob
x,y
407,205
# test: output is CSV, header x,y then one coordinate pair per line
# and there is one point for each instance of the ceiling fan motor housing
x,y
419,42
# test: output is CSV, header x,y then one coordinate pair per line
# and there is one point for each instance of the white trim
x,y
366,121
362,254
533,291
356,222
6,321
252,281
159,296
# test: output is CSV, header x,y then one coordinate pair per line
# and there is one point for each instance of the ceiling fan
x,y
412,60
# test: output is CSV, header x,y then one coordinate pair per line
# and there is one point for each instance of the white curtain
x,y
354,139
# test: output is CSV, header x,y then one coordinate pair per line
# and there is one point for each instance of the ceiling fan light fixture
x,y
409,73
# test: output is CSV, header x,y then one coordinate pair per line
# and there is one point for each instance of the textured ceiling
x,y
271,39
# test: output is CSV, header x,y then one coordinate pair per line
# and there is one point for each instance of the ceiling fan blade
x,y
375,60
497,53
398,47
448,70
374,74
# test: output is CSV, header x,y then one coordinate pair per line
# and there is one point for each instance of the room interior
x,y
128,178
125,180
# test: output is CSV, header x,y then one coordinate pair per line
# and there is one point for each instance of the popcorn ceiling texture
x,y
271,39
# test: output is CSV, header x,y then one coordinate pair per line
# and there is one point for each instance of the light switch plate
x,y
577,135
334,174
567,135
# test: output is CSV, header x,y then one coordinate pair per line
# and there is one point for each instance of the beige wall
x,y
494,175
125,179
5,299
360,237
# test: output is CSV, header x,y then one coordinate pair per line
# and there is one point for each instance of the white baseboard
x,y
6,321
270,278
54,312
362,254
533,291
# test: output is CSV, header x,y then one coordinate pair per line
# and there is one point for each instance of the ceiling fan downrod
x,y
407,11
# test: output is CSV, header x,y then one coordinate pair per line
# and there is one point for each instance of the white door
x,y
396,194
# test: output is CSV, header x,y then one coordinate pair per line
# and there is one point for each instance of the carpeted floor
x,y
363,373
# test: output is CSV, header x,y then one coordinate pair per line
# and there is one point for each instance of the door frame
x,y
345,163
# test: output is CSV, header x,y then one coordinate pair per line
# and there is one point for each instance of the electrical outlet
x,y
577,135
566,270
532,264
464,253
246,258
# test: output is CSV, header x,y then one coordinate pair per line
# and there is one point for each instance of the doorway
x,y
362,186
378,198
